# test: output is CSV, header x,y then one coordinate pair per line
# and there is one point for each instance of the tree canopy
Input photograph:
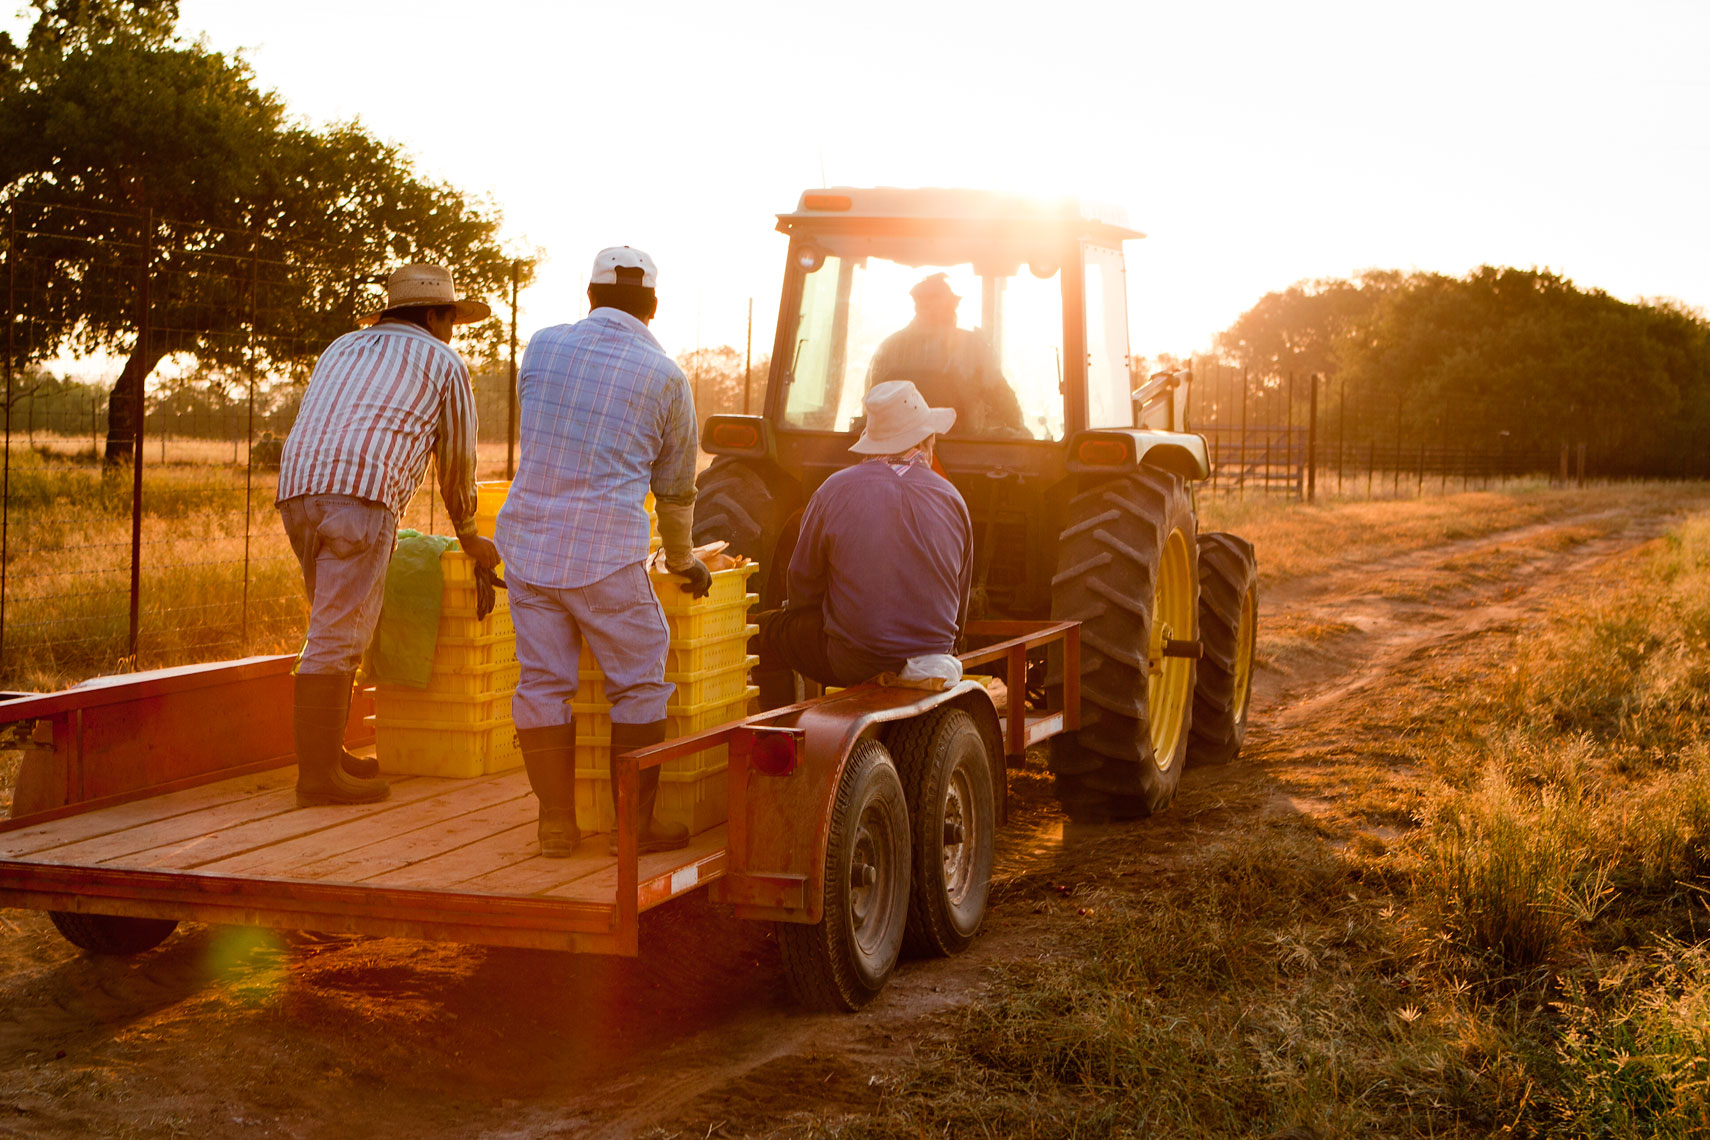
x,y
1520,352
145,172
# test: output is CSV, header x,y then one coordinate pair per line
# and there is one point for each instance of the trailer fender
x,y
778,845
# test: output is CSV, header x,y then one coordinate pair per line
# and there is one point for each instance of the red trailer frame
x,y
168,795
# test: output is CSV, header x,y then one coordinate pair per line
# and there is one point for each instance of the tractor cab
x,y
1011,310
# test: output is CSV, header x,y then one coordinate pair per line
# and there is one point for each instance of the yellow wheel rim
x,y
1244,639
1170,680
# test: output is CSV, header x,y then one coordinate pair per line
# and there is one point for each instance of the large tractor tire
x,y
845,959
1125,571
1228,628
733,502
947,778
112,934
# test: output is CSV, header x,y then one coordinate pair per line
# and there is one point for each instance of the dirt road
x,y
233,1032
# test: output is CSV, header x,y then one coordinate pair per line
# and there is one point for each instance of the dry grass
x,y
218,581
1495,928
1299,540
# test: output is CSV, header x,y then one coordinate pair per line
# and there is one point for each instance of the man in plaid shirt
x,y
380,402
605,417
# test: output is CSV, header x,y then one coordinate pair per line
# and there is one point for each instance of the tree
x,y
717,381
148,174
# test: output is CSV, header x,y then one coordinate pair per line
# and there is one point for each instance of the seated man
x,y
951,366
881,571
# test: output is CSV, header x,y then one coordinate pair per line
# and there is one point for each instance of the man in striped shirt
x,y
605,417
380,402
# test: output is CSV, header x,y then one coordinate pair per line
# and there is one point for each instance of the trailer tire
x,y
842,961
947,779
1228,626
114,934
1125,571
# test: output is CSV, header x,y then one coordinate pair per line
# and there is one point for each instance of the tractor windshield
x,y
985,338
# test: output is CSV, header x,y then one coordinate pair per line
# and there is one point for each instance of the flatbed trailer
x,y
169,796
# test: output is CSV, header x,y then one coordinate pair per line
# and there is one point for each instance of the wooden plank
x,y
481,860
267,827
1041,728
123,687
663,875
431,826
28,837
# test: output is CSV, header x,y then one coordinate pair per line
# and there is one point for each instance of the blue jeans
x,y
625,627
344,545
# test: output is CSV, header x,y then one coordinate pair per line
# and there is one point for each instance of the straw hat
x,y
427,285
898,417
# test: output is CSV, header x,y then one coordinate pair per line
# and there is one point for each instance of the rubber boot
x,y
549,755
362,767
320,708
654,836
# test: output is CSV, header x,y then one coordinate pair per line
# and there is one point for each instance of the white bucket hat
x,y
427,285
898,417
609,262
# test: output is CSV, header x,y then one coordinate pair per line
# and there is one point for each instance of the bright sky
x,y
1256,143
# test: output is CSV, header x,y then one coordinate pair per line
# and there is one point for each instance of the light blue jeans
x,y
625,627
344,545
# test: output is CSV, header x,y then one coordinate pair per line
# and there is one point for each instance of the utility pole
x,y
748,360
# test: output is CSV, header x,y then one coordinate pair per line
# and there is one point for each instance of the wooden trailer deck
x,y
441,858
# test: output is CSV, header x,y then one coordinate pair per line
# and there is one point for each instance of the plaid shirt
x,y
605,415
380,401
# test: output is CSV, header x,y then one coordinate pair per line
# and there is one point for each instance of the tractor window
x,y
1108,391
985,340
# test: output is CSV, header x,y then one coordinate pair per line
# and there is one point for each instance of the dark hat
x,y
937,285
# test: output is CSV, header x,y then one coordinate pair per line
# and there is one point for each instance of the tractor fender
x,y
777,871
1183,453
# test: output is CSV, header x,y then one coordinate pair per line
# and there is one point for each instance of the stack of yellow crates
x,y
708,662
460,725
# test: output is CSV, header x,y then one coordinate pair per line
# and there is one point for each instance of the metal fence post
x,y
137,439
1312,442
249,432
6,463
1241,466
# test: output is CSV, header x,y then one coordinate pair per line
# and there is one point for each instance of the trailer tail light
x,y
736,435
827,201
1105,451
770,751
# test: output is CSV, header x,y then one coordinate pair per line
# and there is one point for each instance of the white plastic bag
x,y
933,666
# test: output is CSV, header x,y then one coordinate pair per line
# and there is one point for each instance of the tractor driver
x,y
881,571
951,366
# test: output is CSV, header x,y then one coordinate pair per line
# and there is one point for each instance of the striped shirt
x,y
381,400
605,416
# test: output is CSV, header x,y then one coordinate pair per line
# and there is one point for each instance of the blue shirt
x,y
604,416
887,551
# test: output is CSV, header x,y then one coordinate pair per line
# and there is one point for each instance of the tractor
x,y
1078,472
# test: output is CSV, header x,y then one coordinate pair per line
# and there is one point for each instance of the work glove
x,y
485,582
699,578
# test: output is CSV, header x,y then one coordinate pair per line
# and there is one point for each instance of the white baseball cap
x,y
609,264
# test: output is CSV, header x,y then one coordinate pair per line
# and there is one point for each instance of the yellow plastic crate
x,y
729,587
711,621
458,569
453,653
701,655
458,626
461,751
403,705
723,684
471,680
594,720
698,801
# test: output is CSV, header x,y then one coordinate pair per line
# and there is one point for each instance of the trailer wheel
x,y
947,778
1125,571
845,959
119,935
1228,627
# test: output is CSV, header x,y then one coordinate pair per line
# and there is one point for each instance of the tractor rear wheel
x,y
1228,627
1125,571
845,959
114,934
733,502
947,777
